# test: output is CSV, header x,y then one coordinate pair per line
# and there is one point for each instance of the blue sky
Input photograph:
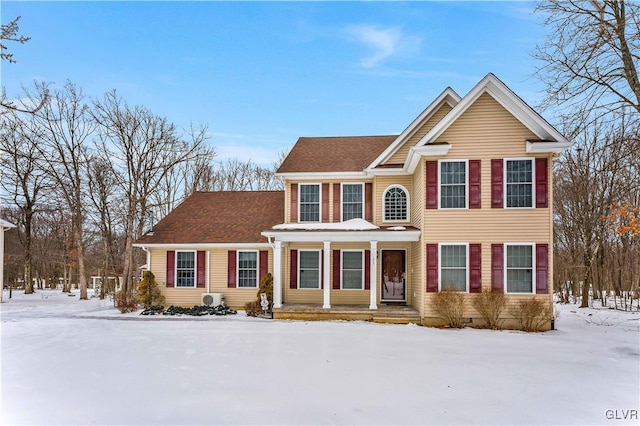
x,y
261,74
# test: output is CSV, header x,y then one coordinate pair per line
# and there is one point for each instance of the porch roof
x,y
384,234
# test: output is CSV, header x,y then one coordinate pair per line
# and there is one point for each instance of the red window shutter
x,y
231,269
542,185
474,184
171,268
294,202
200,268
496,184
325,202
432,267
432,185
336,269
264,263
336,202
475,268
367,269
368,202
497,268
542,268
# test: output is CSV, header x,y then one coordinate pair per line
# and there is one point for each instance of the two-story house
x,y
461,199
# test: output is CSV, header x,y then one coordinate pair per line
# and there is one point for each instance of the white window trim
x,y
467,275
195,269
319,252
319,185
342,270
466,183
384,195
533,182
533,268
257,252
342,184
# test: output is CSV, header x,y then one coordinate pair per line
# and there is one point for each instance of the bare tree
x,y
236,175
65,125
590,58
103,194
23,179
142,148
587,183
9,33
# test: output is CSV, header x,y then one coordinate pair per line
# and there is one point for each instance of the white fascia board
x,y
323,175
387,172
547,147
448,96
344,236
417,152
203,245
6,225
505,97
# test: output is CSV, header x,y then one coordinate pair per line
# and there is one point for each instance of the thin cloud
x,y
384,42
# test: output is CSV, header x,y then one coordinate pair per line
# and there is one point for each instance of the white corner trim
x,y
417,152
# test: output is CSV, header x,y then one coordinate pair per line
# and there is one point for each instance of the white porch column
x,y
373,269
277,274
326,303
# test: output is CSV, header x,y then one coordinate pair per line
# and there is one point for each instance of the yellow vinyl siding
x,y
217,275
379,187
483,132
400,156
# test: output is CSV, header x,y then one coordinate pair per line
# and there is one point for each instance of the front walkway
x,y
391,314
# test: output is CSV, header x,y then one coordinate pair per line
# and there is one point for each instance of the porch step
x,y
385,314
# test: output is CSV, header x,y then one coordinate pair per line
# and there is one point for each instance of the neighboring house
x,y
4,226
460,199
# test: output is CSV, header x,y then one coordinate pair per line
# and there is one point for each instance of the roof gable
x,y
448,96
219,217
493,86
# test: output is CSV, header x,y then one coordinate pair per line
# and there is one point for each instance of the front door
x,y
393,275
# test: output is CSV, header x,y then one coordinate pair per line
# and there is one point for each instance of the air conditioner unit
x,y
211,299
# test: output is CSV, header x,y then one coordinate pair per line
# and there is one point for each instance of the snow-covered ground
x,y
66,361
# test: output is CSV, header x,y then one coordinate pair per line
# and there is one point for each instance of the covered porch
x,y
327,240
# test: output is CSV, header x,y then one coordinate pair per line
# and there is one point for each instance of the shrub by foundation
x,y
449,305
490,305
531,314
148,291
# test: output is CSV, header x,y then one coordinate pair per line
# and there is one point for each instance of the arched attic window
x,y
395,204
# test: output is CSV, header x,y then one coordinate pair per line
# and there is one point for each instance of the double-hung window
x,y
309,269
519,269
247,269
353,270
185,269
453,267
453,184
352,201
395,204
519,183
310,202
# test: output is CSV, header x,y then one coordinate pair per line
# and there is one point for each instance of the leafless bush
x,y
490,305
449,305
126,302
531,314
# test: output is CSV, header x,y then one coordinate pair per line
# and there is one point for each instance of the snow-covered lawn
x,y
66,361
